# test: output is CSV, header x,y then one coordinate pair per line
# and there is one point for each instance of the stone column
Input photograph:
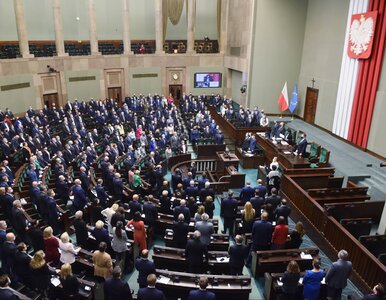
x,y
191,25
224,26
59,41
126,27
158,27
92,28
21,28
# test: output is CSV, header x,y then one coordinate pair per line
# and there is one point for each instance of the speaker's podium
x,y
227,159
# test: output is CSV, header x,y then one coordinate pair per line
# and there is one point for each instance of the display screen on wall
x,y
207,80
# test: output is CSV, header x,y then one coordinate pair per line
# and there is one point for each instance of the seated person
x,y
5,292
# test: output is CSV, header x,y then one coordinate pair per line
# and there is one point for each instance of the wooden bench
x,y
358,226
365,209
376,244
176,285
277,260
174,259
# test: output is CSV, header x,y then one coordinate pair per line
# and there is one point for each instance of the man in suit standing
x,y
182,209
229,209
80,199
150,211
20,223
180,232
195,252
262,233
237,254
3,233
205,192
115,288
337,276
300,148
283,211
246,193
151,292
205,228
202,293
192,190
9,251
101,193
145,267
81,232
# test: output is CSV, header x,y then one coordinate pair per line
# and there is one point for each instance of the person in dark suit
x,y
145,267
32,174
246,193
205,192
115,288
283,211
191,190
101,193
3,233
21,264
20,222
182,209
257,201
195,252
300,148
176,179
80,199
237,255
150,211
9,251
62,188
337,276
5,292
229,209
101,234
81,231
290,281
180,232
118,186
262,234
202,293
53,213
36,236
151,292
135,206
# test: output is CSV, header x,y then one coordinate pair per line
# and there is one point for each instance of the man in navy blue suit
x,y
5,292
301,146
182,209
115,288
32,174
283,211
151,292
246,193
237,254
229,209
145,267
262,233
202,293
80,199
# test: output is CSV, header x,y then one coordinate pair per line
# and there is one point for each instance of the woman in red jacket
x,y
280,234
51,244
139,231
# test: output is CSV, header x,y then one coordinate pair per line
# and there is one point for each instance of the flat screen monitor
x,y
207,80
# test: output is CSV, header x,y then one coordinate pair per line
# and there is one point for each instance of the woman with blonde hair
x,y
69,282
296,237
108,213
51,245
67,249
248,217
40,272
199,213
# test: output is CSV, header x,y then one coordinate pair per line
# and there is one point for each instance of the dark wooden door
x,y
115,93
51,99
311,104
176,91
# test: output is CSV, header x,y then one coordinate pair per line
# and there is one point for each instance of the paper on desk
x,y
305,256
222,259
248,154
191,224
279,283
55,281
163,279
284,143
301,280
287,152
323,281
260,133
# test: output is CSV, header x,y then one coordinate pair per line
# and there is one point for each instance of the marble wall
x,y
15,71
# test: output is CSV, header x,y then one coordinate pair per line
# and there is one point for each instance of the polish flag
x,y
283,99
